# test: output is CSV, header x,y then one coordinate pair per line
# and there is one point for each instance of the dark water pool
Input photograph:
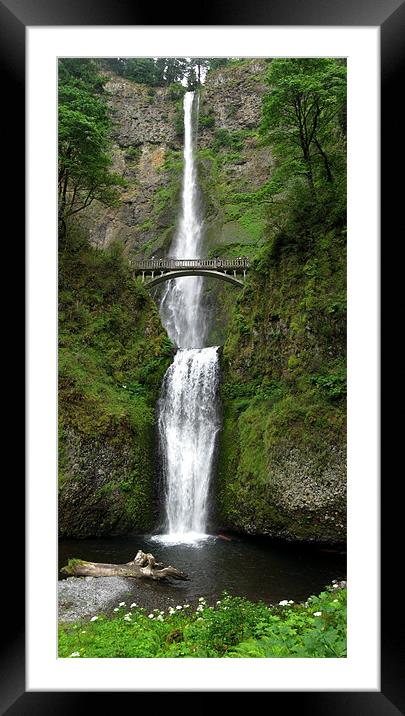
x,y
259,569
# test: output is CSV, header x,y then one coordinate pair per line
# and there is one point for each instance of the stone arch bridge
x,y
155,271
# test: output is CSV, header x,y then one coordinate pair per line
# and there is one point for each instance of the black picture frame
x,y
15,16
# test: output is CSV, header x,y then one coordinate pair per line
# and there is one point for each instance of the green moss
x,y
132,154
113,354
72,563
283,391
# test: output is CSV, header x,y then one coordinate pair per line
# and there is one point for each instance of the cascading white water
x,y
188,423
188,413
181,306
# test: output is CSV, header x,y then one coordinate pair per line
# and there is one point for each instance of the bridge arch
x,y
193,272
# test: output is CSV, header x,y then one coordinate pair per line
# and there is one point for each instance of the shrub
x,y
234,627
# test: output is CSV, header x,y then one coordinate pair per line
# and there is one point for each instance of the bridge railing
x,y
173,264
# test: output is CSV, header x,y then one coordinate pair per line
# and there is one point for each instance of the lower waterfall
x,y
188,424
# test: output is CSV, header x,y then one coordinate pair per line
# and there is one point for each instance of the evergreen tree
x,y
84,169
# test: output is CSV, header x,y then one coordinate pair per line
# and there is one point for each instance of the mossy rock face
x,y
109,489
275,484
230,233
282,453
113,353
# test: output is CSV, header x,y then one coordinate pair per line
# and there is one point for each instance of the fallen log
x,y
143,565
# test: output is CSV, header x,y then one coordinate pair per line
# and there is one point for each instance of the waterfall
x,y
188,423
181,306
188,418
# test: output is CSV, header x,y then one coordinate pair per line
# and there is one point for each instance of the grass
x,y
233,628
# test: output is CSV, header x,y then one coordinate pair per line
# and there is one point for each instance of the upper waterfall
x,y
181,306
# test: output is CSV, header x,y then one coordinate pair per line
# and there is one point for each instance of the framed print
x,y
368,678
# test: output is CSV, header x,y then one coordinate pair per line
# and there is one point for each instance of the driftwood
x,y
143,565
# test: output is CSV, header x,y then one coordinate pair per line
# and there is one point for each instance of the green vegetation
x,y
303,113
274,191
206,118
224,138
160,71
179,119
147,70
84,170
176,91
234,628
284,358
132,154
72,563
111,345
113,354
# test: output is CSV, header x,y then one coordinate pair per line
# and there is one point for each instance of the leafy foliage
x,y
224,138
234,628
84,171
333,385
301,111
112,350
304,124
160,71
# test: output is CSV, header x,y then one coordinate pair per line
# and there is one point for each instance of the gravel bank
x,y
84,597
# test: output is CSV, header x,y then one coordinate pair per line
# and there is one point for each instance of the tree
x,y
141,69
175,69
215,62
84,169
196,67
303,108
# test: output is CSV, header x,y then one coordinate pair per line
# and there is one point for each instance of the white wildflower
x,y
317,614
93,619
200,608
219,601
291,601
186,606
133,605
121,604
159,618
171,610
151,616
201,599
75,653
127,618
116,609
283,603
82,632
179,607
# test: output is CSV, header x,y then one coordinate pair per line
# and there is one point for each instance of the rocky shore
x,y
85,597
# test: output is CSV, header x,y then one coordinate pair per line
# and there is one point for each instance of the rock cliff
x,y
113,354
282,457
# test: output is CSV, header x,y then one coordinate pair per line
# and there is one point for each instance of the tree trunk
x,y
143,565
323,154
